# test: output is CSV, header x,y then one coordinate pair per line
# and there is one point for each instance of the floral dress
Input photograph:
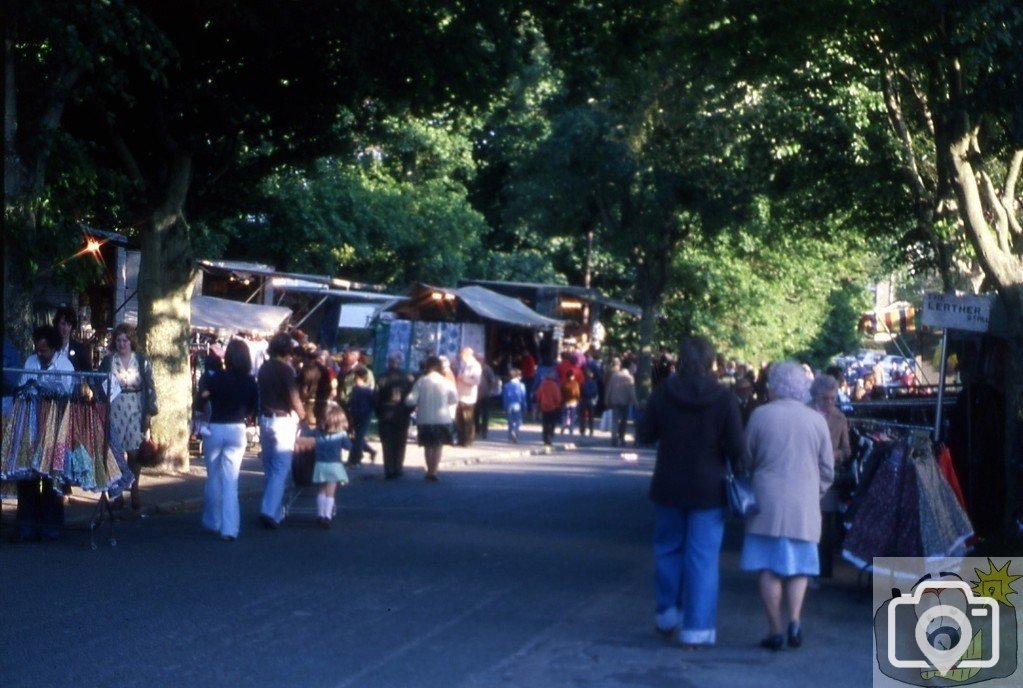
x,y
126,408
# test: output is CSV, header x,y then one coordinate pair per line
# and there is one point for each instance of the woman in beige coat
x,y
824,399
792,466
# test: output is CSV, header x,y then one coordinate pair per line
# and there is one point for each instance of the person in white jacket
x,y
433,396
467,384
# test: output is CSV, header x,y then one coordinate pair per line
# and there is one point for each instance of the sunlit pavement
x,y
513,570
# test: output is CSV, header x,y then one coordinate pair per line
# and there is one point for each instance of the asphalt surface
x,y
513,570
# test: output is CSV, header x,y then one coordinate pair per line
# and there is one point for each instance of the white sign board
x,y
356,315
968,312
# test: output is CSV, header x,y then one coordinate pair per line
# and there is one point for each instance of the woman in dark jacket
x,y
697,422
233,397
133,407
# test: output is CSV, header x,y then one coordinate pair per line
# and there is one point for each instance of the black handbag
x,y
742,501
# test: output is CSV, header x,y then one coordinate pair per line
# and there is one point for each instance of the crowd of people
x,y
781,425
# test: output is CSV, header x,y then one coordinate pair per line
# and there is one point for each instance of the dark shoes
x,y
777,641
268,522
432,477
324,523
795,635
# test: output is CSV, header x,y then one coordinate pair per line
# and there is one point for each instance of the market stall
x,y
434,320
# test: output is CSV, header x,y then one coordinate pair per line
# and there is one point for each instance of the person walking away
x,y
233,396
548,400
279,415
619,396
697,424
131,410
824,393
589,395
40,510
329,471
792,465
393,415
513,399
360,408
490,387
570,395
433,397
467,384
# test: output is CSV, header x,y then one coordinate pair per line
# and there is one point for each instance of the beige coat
x,y
793,465
838,427
621,389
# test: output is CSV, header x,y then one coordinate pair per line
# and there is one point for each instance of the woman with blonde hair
x,y
134,405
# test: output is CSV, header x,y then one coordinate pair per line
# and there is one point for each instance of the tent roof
x,y
210,314
468,304
533,289
244,269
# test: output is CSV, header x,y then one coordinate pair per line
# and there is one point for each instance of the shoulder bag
x,y
742,501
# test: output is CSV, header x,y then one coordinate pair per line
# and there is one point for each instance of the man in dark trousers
x,y
697,422
393,415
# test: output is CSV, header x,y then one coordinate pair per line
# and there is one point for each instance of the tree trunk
x,y
18,283
1014,407
647,326
166,276
1005,270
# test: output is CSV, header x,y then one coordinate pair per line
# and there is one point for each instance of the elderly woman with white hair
x,y
792,464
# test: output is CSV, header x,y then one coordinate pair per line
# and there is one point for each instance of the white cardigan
x,y
433,395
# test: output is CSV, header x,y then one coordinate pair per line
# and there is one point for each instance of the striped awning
x,y
898,318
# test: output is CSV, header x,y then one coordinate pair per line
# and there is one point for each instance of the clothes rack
x,y
61,472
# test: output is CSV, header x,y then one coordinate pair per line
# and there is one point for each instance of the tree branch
x,y
993,204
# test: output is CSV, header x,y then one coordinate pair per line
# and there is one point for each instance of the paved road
x,y
527,572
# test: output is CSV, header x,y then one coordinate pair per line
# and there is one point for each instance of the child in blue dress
x,y
513,399
329,470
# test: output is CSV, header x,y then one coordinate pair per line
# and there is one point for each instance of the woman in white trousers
x,y
233,397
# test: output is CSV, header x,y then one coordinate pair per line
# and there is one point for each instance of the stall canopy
x,y
467,304
211,314
553,298
898,318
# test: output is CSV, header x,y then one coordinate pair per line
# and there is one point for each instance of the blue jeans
x,y
223,451
687,545
277,445
514,413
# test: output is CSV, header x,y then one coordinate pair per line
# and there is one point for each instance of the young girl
x,y
329,469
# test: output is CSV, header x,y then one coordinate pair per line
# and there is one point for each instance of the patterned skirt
x,y
126,420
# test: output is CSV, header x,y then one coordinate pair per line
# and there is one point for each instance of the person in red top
x,y
567,365
527,364
548,400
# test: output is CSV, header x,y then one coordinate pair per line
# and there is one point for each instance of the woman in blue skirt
x,y
792,466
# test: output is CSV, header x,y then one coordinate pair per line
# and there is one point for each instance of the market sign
x,y
967,312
